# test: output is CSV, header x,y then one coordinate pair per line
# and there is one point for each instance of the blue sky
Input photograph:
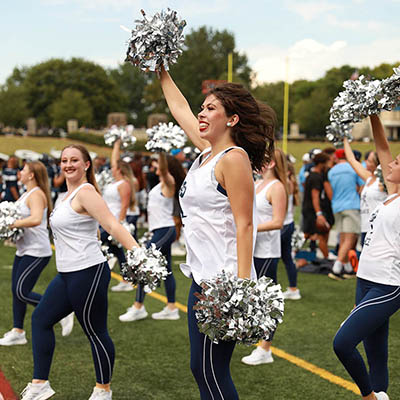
x,y
314,35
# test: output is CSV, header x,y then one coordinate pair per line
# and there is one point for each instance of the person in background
x,y
10,180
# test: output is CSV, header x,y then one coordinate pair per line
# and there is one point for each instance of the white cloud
x,y
309,59
311,9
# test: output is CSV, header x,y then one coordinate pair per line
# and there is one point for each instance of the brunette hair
x,y
254,131
86,157
321,158
126,172
281,170
293,183
39,172
176,170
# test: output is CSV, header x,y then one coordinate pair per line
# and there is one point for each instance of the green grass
x,y
152,357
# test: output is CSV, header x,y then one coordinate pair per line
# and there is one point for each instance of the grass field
x,y
152,357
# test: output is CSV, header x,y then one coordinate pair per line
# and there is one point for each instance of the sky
x,y
281,38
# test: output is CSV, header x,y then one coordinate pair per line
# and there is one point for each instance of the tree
x,y
71,105
13,106
45,82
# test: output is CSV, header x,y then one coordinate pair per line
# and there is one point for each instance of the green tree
x,y
45,82
71,105
13,106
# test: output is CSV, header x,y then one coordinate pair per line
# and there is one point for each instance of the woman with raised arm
x,y
119,197
378,285
83,276
33,249
372,193
218,208
162,226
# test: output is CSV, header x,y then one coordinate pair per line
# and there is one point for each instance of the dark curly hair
x,y
255,130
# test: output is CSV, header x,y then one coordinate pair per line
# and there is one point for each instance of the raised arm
x,y
116,153
383,150
362,172
181,111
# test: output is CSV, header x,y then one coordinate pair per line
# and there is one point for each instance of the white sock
x,y
38,385
337,267
348,268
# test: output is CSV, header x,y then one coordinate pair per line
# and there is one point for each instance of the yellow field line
x,y
324,374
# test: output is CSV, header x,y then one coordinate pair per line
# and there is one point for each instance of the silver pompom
x,y
125,133
145,266
165,137
129,227
298,239
156,41
336,132
147,236
230,308
104,178
9,213
106,252
378,173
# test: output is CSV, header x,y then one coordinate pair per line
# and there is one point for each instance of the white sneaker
x,y
13,337
133,314
166,313
122,287
289,294
258,356
381,396
100,394
331,256
177,249
37,391
67,323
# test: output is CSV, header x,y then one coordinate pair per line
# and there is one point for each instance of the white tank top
x,y
113,199
370,197
35,242
209,226
380,256
268,243
75,237
159,209
289,213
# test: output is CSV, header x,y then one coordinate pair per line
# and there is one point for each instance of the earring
x,y
86,169
229,124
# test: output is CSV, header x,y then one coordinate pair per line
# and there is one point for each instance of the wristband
x,y
319,213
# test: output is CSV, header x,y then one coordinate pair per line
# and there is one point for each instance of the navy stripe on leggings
x,y
209,362
85,293
163,239
369,323
25,274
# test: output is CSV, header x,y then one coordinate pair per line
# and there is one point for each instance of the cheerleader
x,y
378,285
119,197
271,203
33,249
83,276
218,208
162,226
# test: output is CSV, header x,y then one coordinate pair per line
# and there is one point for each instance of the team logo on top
x,y
182,190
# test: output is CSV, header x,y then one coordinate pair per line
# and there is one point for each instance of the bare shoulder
x,y
38,195
85,191
236,158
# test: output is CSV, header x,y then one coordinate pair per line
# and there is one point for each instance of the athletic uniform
x,y
162,225
32,255
286,244
210,236
80,286
377,298
370,197
113,199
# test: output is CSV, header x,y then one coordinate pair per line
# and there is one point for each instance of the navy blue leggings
x,y
85,293
266,267
132,219
25,273
209,362
117,251
286,250
369,323
163,239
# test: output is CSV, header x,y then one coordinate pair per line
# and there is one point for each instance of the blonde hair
x,y
293,181
126,172
281,170
39,172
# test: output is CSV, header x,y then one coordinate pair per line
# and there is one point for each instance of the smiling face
x,y
73,165
212,118
25,175
394,171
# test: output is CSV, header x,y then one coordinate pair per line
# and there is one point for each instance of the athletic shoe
x,y
166,313
258,356
381,396
13,337
37,391
332,256
122,287
335,276
67,323
353,259
133,314
100,394
291,294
